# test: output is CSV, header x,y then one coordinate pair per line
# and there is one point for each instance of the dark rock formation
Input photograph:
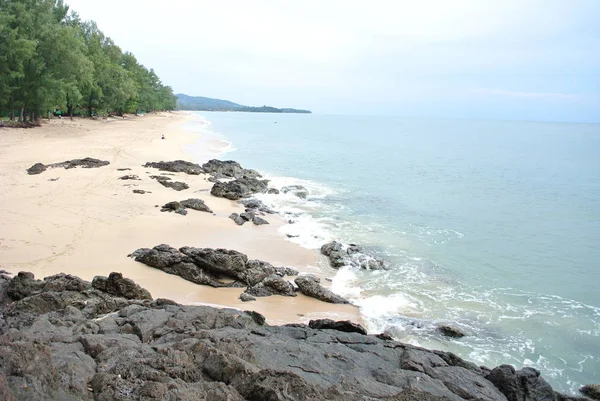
x,y
196,204
450,331
37,168
352,255
228,168
256,206
248,216
118,286
171,261
68,340
285,271
237,219
273,191
177,166
239,188
129,177
591,390
345,326
166,181
272,285
297,190
123,169
174,207
141,191
258,221
309,286
87,162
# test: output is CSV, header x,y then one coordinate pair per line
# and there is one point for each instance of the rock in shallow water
x,y
591,390
309,286
450,331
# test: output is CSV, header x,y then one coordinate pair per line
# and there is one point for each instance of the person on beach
x,y
162,137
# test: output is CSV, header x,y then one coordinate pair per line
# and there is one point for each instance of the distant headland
x,y
185,102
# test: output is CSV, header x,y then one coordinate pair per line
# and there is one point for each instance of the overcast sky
x,y
501,59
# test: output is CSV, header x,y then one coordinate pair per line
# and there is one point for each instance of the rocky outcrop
x,y
239,188
352,255
196,204
298,190
64,339
87,162
130,177
177,166
256,206
115,284
259,221
237,219
591,390
167,182
180,207
309,286
450,331
229,169
141,191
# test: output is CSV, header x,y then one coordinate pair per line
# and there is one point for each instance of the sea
x,y
489,226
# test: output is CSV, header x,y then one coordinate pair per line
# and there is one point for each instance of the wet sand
x,y
86,221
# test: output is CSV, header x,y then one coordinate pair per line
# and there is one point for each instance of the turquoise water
x,y
489,225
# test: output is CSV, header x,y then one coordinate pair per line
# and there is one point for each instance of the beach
x,y
85,221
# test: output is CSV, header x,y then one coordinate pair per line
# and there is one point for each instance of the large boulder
x,y
340,325
196,204
521,385
256,205
218,261
228,168
239,188
272,285
309,286
37,168
177,166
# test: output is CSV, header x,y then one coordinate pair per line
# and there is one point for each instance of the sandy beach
x,y
86,221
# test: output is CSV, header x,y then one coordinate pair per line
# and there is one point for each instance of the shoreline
x,y
86,221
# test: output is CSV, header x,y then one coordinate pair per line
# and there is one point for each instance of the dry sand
x,y
86,221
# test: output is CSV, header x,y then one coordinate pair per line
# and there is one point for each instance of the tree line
x,y
52,61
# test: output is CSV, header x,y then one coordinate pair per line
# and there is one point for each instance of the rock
x,y
177,166
237,218
591,390
522,385
345,326
248,216
141,191
228,168
87,162
166,181
298,190
256,205
123,169
239,188
196,204
285,271
272,285
309,286
273,191
116,285
129,177
259,221
352,255
37,168
171,261
246,297
174,207
68,340
257,271
450,331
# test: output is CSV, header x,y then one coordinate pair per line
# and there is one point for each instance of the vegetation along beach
x,y
370,217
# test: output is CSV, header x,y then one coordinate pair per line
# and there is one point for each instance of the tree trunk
x,y
32,116
22,115
70,111
12,115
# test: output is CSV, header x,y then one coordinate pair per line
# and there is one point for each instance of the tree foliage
x,y
51,60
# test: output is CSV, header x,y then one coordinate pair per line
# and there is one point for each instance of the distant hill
x,y
185,102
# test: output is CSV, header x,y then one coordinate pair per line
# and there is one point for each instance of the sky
x,y
489,59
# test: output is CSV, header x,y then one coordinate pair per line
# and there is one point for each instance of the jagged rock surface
x,y
309,286
228,168
63,339
167,182
256,206
87,162
177,166
352,255
239,188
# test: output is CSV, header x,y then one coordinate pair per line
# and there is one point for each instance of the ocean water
x,y
492,226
